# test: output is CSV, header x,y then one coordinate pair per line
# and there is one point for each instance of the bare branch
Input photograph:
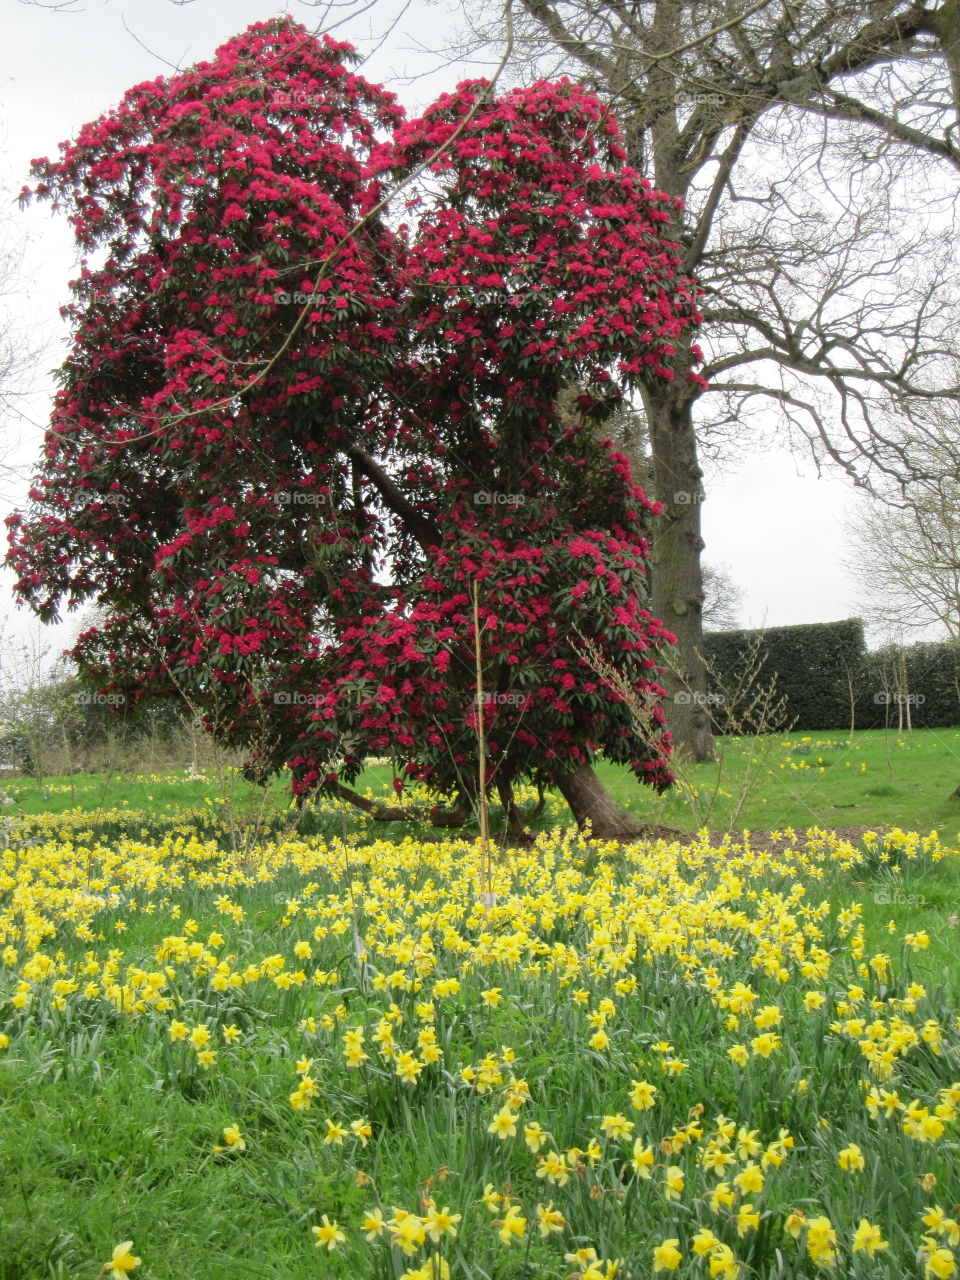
x,y
423,529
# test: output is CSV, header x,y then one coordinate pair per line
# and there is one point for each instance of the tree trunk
x,y
945,21
676,577
589,799
515,828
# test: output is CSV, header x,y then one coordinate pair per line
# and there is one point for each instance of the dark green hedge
x,y
816,663
927,680
812,663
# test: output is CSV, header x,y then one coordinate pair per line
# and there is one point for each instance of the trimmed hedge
x,y
924,677
819,665
812,663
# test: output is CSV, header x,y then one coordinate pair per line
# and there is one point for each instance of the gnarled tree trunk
x,y
589,799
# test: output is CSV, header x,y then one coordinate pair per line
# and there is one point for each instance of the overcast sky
x,y
771,523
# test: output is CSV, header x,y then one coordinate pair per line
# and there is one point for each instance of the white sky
x,y
772,524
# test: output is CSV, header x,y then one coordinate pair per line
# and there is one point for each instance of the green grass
x,y
166,794
875,778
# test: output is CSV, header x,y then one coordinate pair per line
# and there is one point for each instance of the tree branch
x,y
705,220
876,42
422,528
840,106
548,17
395,813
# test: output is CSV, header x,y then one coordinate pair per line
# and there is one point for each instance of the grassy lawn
x,y
875,778
797,780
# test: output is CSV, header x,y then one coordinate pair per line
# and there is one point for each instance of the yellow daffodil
x,y
553,1166
617,1126
821,1241
335,1133
703,1242
373,1225
504,1124
534,1136
491,1198
407,1231
794,1223
234,1138
667,1256
328,1235
643,1095
749,1180
851,1159
513,1226
722,1263
122,1262
868,1239
440,1222
550,1219
748,1219
939,1263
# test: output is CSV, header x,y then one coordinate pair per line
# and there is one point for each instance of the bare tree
x,y
905,560
812,146
21,346
722,599
37,704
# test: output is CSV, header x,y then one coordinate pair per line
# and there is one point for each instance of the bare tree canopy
x,y
722,599
904,555
20,348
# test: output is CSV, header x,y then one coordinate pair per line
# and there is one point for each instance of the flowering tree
x,y
293,436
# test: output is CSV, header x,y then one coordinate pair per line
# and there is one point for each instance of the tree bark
x,y
676,574
515,827
677,581
589,799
